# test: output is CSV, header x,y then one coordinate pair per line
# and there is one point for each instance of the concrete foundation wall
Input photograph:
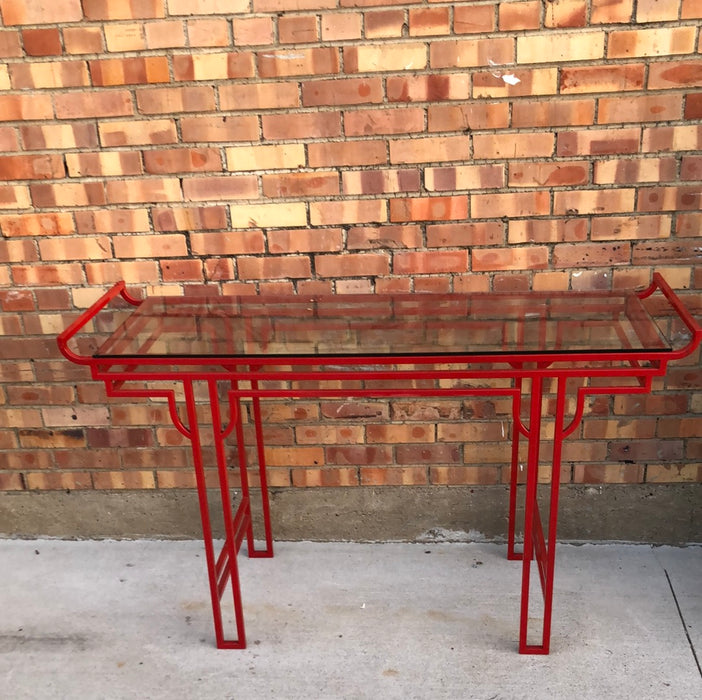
x,y
662,514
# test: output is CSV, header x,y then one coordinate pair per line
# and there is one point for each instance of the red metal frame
x,y
530,375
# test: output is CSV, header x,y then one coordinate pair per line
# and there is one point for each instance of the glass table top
x,y
384,325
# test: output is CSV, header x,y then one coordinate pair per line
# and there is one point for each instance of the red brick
x,y
688,225
468,117
259,96
533,145
556,47
179,99
380,181
429,209
209,7
131,272
49,75
429,21
691,9
181,270
224,187
668,198
366,122
137,133
25,107
274,268
313,184
297,126
10,46
558,174
537,81
382,24
45,275
189,218
346,153
512,258
59,136
113,221
429,88
566,13
633,109
345,91
164,245
68,194
348,211
280,63
75,248
591,255
42,42
661,41
31,167
547,230
430,263
341,26
467,53
55,12
672,138
693,106
82,40
109,103
305,241
603,201
668,74
103,163
9,140
17,251
252,31
547,113
611,78
217,129
393,476
230,243
126,71
376,237
430,149
515,16
121,38
612,11
352,265
182,160
464,235
297,29
208,32
14,197
118,9
691,168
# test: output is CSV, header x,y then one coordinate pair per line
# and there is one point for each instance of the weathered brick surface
x,y
270,146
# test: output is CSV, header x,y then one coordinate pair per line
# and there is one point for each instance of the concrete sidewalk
x,y
132,619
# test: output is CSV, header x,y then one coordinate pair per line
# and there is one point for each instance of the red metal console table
x,y
535,348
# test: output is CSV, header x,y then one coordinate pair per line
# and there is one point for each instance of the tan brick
x,y
159,246
346,153
180,99
672,138
47,275
548,113
598,142
547,48
537,81
349,91
463,235
125,37
352,265
463,177
132,272
66,481
341,27
14,197
369,58
473,20
56,12
604,201
208,7
124,480
189,218
231,243
58,74
690,10
126,71
513,204
259,96
429,21
380,181
430,149
512,258
164,34
656,10
33,225
264,215
10,46
253,31
68,194
431,88
468,117
630,227
393,476
59,136
276,157
213,66
647,109
117,10
147,190
182,160
607,474
348,211
339,476
105,163
467,53
75,249
25,107
661,41
220,187
137,133
376,237
296,61
113,221
626,171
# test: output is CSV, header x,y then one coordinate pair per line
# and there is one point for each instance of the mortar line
x,y
682,619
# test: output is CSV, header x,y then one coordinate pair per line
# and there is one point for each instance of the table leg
x,y
536,544
222,569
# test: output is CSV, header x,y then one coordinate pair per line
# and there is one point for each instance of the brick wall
x,y
263,146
